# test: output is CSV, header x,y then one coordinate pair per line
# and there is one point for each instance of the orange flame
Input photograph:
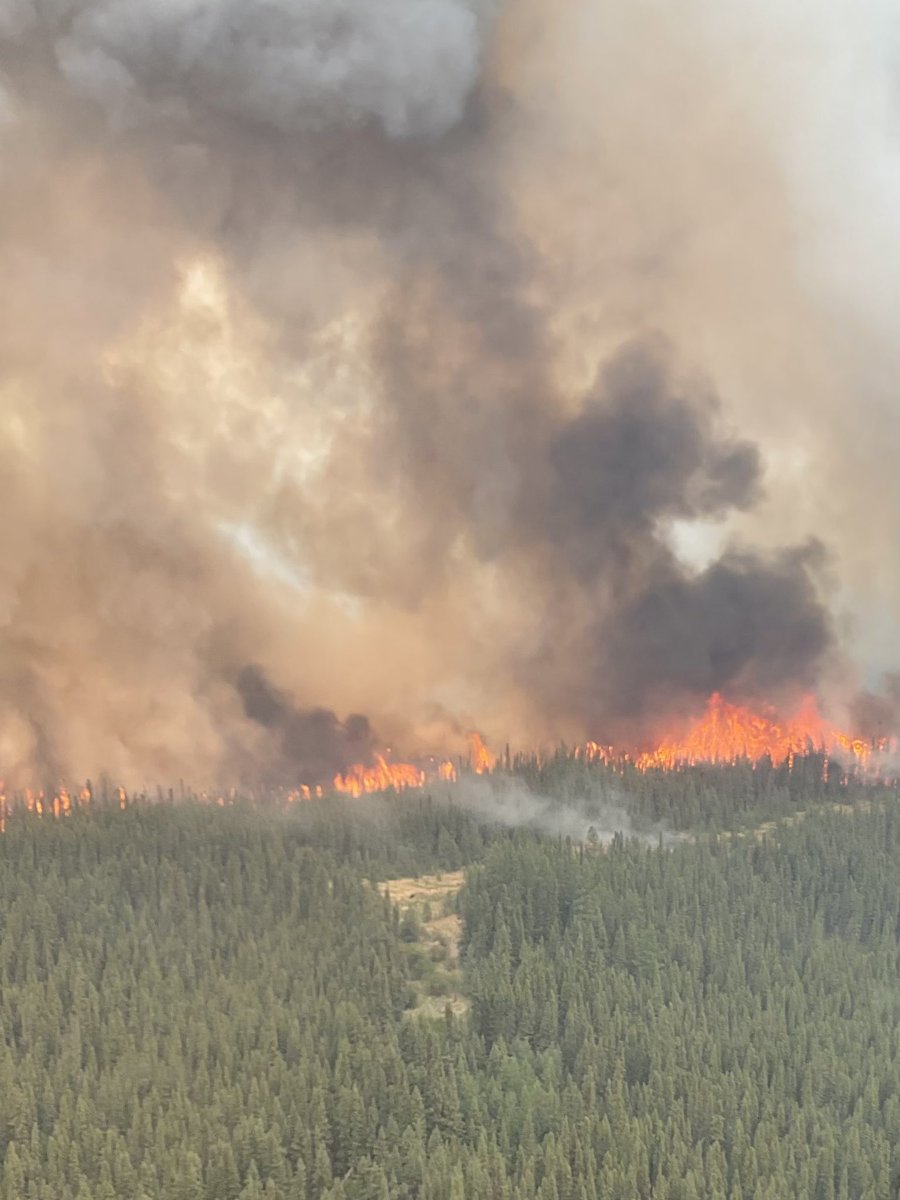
x,y
725,733
361,780
728,732
594,752
481,759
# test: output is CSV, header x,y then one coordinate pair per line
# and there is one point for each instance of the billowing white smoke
x,y
287,64
507,800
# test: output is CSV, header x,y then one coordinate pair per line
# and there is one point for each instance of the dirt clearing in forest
x,y
422,889
434,934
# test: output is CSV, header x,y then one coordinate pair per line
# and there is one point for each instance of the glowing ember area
x,y
481,759
729,732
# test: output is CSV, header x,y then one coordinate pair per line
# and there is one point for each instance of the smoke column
x,y
524,366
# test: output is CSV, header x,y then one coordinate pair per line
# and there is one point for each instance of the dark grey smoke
x,y
639,453
578,508
876,715
747,626
314,745
657,633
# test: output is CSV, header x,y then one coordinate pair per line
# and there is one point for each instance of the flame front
x,y
362,780
725,733
729,732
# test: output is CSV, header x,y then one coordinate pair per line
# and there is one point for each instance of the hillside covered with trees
x,y
221,1004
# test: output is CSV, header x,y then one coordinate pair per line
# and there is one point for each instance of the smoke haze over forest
x,y
521,366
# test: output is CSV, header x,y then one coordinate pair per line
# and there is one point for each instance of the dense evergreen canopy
x,y
218,1004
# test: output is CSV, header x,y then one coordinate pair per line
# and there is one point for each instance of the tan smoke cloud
x,y
312,365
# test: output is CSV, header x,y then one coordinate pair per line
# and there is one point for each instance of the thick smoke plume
x,y
518,367
288,66
308,744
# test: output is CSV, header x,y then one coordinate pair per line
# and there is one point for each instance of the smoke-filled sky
x,y
371,370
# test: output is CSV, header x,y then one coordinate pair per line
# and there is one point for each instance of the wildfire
x,y
481,759
59,804
594,752
728,732
362,780
725,733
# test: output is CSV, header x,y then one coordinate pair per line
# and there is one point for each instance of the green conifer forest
x,y
202,1003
